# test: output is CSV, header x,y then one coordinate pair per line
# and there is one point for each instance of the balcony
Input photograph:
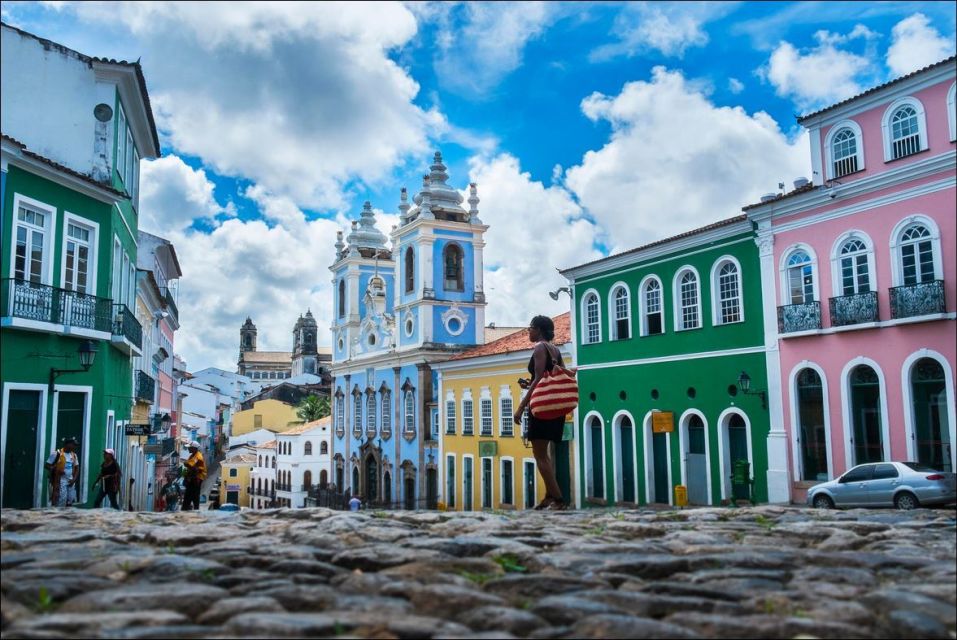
x,y
307,487
853,309
40,307
127,332
283,487
793,318
914,300
171,303
145,387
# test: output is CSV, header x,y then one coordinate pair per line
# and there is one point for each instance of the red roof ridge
x,y
518,341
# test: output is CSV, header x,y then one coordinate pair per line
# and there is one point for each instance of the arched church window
x,y
342,298
409,270
454,272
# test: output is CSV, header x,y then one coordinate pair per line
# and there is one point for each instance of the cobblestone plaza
x,y
764,572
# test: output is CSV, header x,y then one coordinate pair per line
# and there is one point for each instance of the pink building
x,y
860,285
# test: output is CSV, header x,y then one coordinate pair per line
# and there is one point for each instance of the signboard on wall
x,y
488,449
662,422
137,429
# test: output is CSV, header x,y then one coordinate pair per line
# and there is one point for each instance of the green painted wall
x,y
602,385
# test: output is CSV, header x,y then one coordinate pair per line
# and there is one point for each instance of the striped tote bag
x,y
556,394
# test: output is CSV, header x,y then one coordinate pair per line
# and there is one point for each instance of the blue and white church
x,y
401,304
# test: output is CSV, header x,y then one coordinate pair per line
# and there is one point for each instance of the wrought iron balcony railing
x,y
283,487
171,303
125,324
853,309
799,317
145,387
43,303
920,299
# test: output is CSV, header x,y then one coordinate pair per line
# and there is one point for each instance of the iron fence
x,y
43,303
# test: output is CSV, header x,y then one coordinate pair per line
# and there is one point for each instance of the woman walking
x,y
109,480
541,432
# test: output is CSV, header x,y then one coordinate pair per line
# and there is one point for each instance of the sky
x,y
590,128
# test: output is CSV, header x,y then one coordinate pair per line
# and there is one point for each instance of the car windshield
x,y
916,466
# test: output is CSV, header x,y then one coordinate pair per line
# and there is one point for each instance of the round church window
x,y
342,344
371,339
454,325
409,327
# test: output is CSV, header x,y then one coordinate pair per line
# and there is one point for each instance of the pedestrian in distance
x,y
171,493
355,503
542,433
195,473
63,466
108,480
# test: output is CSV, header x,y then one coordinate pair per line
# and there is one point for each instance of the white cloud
x,y
670,28
676,161
916,44
300,98
735,86
533,230
821,75
173,195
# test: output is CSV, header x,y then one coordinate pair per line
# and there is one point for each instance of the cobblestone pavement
x,y
765,572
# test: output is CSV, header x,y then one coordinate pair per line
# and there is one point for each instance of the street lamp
x,y
87,353
554,294
744,383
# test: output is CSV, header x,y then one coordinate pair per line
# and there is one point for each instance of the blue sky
x,y
582,123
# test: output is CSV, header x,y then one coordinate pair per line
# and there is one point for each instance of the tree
x,y
313,408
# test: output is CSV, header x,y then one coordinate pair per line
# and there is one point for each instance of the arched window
x,y
340,412
844,153
726,292
800,278
652,315
260,462
689,300
357,415
866,415
274,462
930,414
386,412
409,270
307,480
952,111
450,415
468,416
342,298
409,413
916,255
855,270
620,313
812,437
592,317
452,260
323,448
596,466
905,132
307,449
370,414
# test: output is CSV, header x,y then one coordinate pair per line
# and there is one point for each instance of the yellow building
x,y
273,415
484,462
234,481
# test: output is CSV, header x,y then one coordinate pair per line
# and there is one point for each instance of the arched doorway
x,y
409,493
867,442
624,431
372,479
387,488
738,451
594,432
930,413
812,434
354,489
657,464
431,488
307,480
696,465
323,479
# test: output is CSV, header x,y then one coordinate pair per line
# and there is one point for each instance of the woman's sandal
x,y
547,502
557,505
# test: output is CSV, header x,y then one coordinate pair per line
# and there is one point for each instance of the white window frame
x,y
584,316
886,125
501,479
506,418
829,147
951,115
386,402
486,397
373,405
408,399
526,461
643,305
49,225
837,280
676,291
716,319
94,229
357,412
468,417
450,480
468,498
897,263
39,477
450,414
785,293
491,489
613,311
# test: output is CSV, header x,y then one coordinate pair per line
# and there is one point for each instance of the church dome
x,y
445,201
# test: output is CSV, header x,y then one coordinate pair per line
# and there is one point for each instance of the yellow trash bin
x,y
681,495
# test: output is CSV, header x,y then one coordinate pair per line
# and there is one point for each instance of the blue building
x,y
398,308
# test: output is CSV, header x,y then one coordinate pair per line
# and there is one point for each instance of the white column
x,y
478,265
425,265
779,480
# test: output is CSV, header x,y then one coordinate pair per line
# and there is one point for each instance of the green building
x,y
662,335
74,129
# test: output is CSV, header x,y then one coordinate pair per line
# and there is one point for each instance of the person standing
x,y
195,474
355,504
171,494
64,468
110,480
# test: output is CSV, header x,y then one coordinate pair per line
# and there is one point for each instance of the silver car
x,y
905,485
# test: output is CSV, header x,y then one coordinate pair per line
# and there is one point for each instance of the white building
x,y
304,459
262,480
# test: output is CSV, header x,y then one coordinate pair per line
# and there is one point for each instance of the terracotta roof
x,y
267,445
686,234
140,78
810,186
801,119
267,356
494,333
308,426
518,341
243,458
59,167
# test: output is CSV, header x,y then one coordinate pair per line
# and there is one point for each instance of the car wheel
x,y
823,501
906,501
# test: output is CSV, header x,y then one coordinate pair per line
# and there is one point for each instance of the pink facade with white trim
x,y
863,381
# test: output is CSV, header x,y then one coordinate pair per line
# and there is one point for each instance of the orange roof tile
x,y
267,445
518,341
308,426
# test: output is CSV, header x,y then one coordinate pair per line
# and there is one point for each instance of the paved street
x,y
765,572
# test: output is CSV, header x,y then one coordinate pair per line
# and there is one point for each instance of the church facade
x,y
305,357
398,309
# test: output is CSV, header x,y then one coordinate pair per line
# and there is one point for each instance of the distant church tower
x,y
247,337
305,350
